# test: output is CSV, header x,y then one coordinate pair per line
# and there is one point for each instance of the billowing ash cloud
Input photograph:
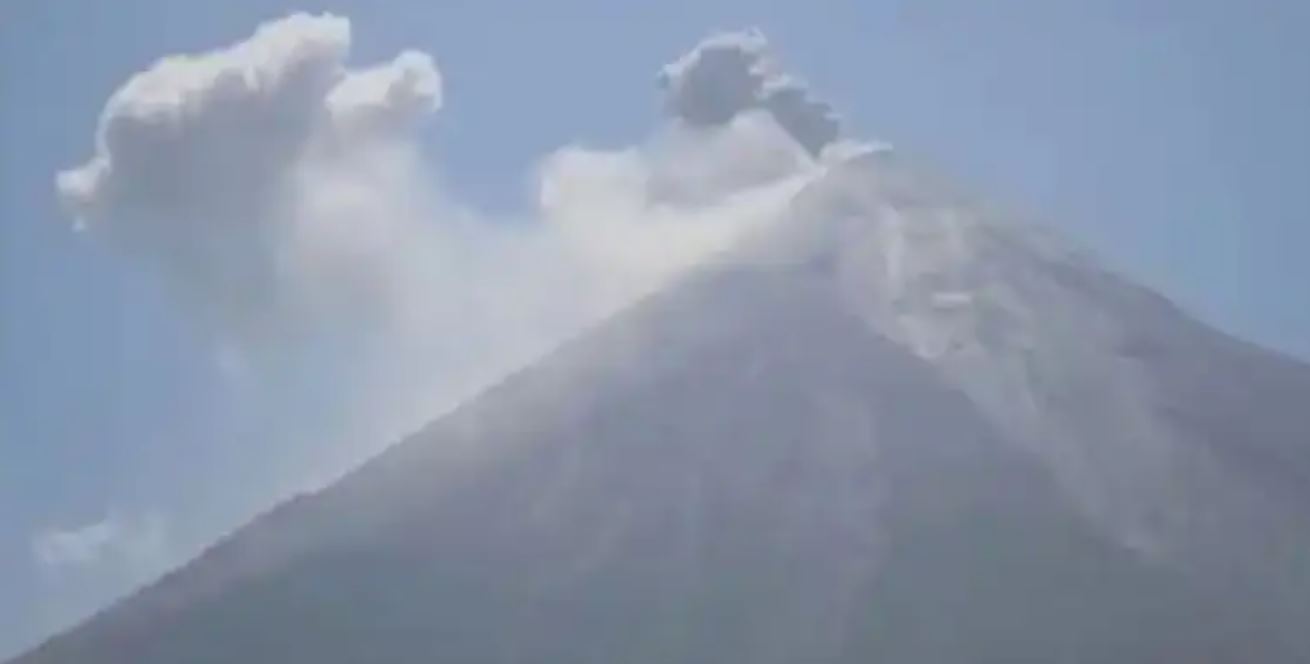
x,y
197,158
286,196
732,72
194,129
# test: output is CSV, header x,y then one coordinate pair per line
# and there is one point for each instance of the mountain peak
x,y
888,427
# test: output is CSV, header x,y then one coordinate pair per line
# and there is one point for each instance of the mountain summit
x,y
888,427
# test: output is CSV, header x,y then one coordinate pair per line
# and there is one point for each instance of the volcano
x,y
890,427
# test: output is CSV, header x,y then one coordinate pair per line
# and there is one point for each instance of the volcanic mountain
x,y
890,427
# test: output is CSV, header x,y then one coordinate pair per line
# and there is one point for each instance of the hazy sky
x,y
1169,137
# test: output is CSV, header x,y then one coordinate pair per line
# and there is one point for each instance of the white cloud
x,y
390,96
201,160
184,134
654,209
125,544
287,197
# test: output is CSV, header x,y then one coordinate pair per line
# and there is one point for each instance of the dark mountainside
x,y
887,429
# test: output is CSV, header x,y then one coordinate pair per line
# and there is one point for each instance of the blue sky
x,y
1169,137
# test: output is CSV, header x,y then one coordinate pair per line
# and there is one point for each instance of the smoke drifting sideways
x,y
731,72
285,198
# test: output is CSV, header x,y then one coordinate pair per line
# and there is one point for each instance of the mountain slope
x,y
887,429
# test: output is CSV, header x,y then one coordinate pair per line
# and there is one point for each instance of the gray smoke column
x,y
732,72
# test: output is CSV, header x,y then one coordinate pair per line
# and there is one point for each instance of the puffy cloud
x,y
278,188
199,160
128,544
287,198
732,72
187,132
384,98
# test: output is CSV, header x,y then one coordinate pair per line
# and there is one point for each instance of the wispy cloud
x,y
123,544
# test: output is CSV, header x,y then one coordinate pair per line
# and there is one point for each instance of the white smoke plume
x,y
286,197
